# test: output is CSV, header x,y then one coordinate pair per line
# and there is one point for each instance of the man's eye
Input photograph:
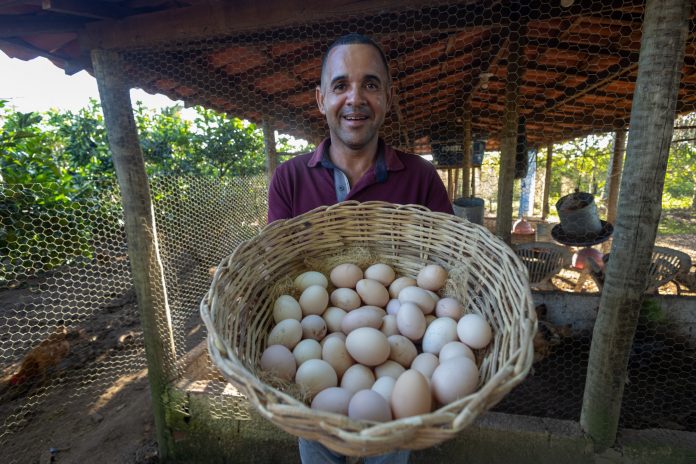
x,y
339,87
372,86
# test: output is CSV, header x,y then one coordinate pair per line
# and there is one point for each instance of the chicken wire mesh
x,y
462,72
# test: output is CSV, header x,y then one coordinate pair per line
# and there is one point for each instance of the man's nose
x,y
355,95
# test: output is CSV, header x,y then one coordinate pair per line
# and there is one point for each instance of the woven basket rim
x,y
268,400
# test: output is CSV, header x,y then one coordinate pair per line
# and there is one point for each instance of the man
x,y
353,163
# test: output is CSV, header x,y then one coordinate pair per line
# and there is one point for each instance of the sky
x,y
39,85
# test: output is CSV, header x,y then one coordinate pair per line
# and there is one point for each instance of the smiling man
x,y
353,163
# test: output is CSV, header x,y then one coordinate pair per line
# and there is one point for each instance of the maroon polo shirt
x,y
306,182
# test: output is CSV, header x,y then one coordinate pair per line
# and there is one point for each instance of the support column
x,y
665,27
270,148
547,183
468,149
506,174
615,173
141,233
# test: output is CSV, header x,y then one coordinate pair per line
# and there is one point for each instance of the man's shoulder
x,y
296,163
412,160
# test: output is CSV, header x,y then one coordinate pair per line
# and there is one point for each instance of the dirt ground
x,y
113,423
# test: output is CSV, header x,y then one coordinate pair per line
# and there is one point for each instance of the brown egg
x,y
432,277
382,273
346,275
372,292
411,395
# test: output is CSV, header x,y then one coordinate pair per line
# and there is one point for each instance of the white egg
x,y
345,298
399,284
306,349
382,273
473,330
392,306
332,399
287,332
369,405
315,375
333,317
335,353
454,379
432,277
365,316
389,369
314,300
440,332
411,321
278,360
449,307
346,275
419,297
455,349
425,363
286,307
357,377
309,278
372,292
384,386
313,327
368,346
402,350
389,326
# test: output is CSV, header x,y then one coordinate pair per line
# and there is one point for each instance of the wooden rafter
x,y
91,9
14,26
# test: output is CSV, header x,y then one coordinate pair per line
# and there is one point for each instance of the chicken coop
x,y
613,377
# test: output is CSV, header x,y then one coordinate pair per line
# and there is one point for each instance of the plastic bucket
x,y
469,208
578,214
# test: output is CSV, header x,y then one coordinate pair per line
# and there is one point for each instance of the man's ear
x,y
320,99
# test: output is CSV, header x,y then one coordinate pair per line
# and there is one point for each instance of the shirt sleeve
x,y
279,201
438,200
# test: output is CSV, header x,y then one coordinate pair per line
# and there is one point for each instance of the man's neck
x,y
354,163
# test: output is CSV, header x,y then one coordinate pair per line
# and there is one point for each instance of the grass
x,y
677,221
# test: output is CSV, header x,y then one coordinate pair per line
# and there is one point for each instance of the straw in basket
x,y
484,274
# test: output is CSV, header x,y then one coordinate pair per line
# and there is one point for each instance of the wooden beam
x,y
141,232
17,25
69,65
665,30
270,148
547,183
91,9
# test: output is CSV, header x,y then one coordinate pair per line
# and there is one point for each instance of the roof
x,y
260,60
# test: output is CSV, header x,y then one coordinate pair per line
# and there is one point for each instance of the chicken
x,y
548,336
44,357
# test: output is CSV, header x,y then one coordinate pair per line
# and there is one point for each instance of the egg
x,y
389,369
384,386
345,298
287,332
449,307
313,327
315,375
357,377
369,405
389,325
432,277
455,349
286,307
314,300
410,321
372,292
335,353
392,306
429,320
419,297
440,332
365,316
368,346
411,395
332,399
340,335
279,361
346,275
401,350
382,273
306,349
454,379
434,296
425,363
333,317
309,278
399,284
474,331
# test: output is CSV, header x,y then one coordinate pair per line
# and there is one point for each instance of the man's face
x,y
355,95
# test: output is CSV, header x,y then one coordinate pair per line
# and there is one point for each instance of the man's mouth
x,y
355,117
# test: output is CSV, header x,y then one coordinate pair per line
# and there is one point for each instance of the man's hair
x,y
356,39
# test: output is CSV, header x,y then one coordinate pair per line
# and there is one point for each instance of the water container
x,y
469,208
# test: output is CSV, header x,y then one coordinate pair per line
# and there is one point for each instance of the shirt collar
x,y
390,157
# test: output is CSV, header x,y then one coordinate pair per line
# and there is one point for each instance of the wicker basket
x,y
484,273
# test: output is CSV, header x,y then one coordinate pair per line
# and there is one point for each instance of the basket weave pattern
x,y
485,275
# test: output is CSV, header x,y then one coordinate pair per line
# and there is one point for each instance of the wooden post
x,y
614,179
547,183
270,147
468,149
143,251
506,175
665,28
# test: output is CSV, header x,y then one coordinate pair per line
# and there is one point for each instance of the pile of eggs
x,y
377,347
